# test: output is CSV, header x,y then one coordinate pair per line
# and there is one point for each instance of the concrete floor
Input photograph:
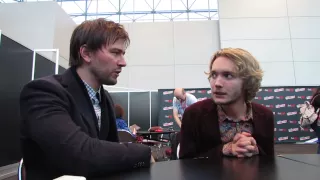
x,y
279,149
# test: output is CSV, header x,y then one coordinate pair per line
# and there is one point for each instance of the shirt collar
x,y
223,116
91,92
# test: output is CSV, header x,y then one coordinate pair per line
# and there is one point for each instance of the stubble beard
x,y
230,101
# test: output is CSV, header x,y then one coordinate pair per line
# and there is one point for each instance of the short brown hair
x,y
247,66
94,34
119,111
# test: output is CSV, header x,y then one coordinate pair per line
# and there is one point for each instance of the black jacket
x,y
59,133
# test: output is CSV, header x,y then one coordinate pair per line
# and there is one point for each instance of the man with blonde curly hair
x,y
229,124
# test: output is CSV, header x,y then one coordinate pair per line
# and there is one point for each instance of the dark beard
x,y
103,80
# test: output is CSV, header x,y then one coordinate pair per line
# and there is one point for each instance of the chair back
x,y
175,145
178,151
21,171
125,136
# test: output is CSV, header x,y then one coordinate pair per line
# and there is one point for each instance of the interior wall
x,y
139,108
34,30
63,28
282,34
15,72
38,25
121,98
14,60
169,54
45,67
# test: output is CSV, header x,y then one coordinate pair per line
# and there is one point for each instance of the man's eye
x,y
228,76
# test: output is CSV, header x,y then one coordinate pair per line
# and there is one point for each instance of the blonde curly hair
x,y
248,69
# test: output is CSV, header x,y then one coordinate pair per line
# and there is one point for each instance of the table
x,y
152,133
149,134
224,168
311,159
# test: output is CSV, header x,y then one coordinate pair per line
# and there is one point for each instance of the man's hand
x,y
240,135
176,117
244,145
152,160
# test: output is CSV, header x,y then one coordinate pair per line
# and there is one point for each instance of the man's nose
x,y
218,82
122,62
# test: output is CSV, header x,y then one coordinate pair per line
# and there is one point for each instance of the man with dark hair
x,y
229,124
68,121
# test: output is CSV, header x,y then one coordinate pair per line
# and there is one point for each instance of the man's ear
x,y
85,53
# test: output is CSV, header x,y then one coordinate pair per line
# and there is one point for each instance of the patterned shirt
x,y
230,127
95,99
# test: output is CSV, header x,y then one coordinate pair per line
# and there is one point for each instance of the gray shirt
x,y
180,107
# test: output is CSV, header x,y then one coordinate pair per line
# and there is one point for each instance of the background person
x,y
181,101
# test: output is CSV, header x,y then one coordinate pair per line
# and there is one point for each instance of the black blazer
x,y
59,131
200,134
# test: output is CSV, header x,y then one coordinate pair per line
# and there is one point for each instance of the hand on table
x,y
244,145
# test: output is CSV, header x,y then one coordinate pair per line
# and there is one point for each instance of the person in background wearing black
x,y
68,122
315,102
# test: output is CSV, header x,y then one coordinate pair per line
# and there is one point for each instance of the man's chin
x,y
110,82
221,102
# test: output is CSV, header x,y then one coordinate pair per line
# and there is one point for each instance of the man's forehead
x,y
117,47
223,71
223,64
223,68
119,44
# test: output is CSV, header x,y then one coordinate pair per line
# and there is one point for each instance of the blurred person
x,y
121,123
181,101
315,102
68,125
229,124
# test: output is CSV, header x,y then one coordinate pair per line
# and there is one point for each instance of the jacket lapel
x,y
256,113
74,85
108,124
257,116
104,129
211,121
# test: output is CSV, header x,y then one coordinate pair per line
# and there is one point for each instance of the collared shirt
x,y
230,127
95,100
